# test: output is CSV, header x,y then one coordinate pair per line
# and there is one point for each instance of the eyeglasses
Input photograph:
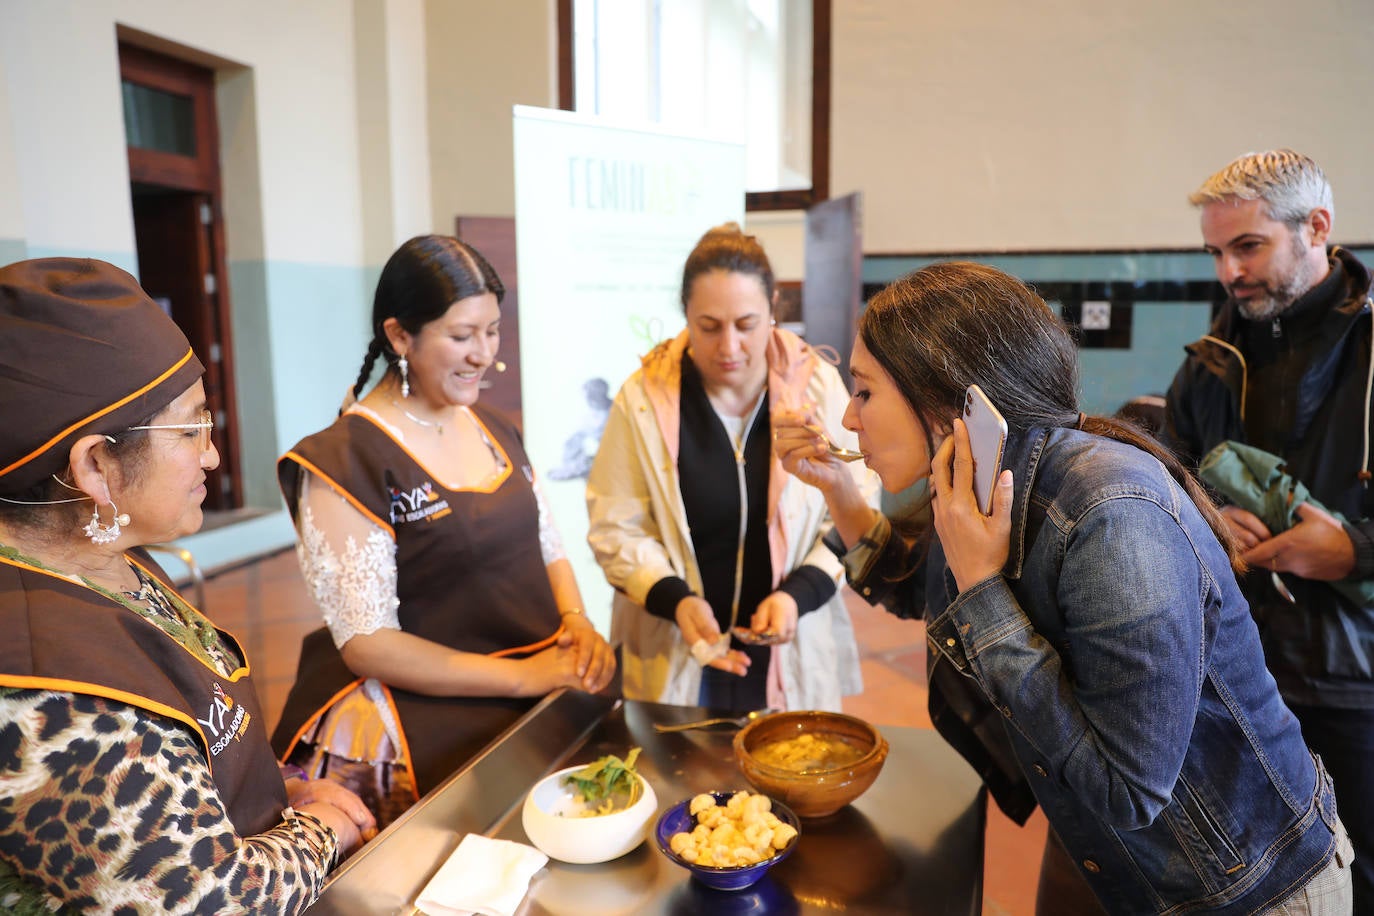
x,y
200,429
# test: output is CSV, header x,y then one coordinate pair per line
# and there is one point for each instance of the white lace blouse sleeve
x,y
550,541
349,563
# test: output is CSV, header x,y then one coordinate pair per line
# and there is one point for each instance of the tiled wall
x,y
1170,296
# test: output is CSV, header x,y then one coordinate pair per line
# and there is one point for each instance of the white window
x,y
735,69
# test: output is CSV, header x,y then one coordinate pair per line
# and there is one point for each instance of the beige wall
x,y
393,139
324,161
11,204
69,162
484,58
783,235
407,103
1001,124
292,121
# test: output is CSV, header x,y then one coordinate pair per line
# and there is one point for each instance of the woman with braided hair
x,y
450,605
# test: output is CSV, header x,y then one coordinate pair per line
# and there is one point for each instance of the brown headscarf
x,y
83,350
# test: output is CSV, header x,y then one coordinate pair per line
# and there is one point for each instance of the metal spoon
x,y
844,454
739,722
1281,588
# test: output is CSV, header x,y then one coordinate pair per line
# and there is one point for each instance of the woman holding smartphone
x,y
1092,652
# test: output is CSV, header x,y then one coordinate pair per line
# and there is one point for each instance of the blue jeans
x,y
1344,739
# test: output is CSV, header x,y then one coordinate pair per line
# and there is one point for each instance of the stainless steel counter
x,y
912,844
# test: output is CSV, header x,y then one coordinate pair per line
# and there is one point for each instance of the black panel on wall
x,y
1120,296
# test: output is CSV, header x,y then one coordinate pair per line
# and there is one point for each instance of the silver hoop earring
x,y
405,376
106,534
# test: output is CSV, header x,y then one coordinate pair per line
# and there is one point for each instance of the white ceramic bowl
x,y
551,822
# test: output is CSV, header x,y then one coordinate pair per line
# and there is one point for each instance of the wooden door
x,y
170,121
176,268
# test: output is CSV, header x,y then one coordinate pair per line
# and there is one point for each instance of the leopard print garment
x,y
105,808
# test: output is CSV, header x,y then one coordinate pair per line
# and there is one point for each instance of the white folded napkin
x,y
483,876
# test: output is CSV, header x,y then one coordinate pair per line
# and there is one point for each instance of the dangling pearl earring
x,y
405,376
105,534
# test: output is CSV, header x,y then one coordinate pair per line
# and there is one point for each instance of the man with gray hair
x,y
1287,368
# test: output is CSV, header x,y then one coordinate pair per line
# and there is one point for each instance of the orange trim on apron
x,y
315,716
62,685
366,413
396,713
237,675
98,414
531,648
334,485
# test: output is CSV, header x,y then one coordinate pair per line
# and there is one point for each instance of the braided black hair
x,y
421,279
374,349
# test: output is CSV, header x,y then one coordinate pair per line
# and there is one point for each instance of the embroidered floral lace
x,y
349,562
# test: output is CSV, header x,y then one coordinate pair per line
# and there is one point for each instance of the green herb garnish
x,y
609,784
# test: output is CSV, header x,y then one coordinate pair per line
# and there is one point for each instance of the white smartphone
x,y
987,433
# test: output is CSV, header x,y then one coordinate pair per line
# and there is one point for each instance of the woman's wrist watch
x,y
572,610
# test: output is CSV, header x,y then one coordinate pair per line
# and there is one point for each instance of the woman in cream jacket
x,y
687,444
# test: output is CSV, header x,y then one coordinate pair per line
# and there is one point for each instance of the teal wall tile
x,y
12,250
125,260
318,326
1108,377
300,332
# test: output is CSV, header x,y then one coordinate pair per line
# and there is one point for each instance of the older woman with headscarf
x,y
135,771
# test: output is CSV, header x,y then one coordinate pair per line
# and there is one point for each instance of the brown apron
x,y
64,636
470,576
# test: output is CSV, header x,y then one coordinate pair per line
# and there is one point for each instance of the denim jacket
x,y
1130,683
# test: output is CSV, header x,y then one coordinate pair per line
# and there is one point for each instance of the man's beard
x,y
1277,298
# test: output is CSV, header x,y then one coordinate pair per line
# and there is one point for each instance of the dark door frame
x,y
212,331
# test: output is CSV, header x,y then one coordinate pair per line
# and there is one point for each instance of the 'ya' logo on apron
x,y
416,504
225,721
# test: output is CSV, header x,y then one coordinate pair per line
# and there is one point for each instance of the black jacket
x,y
1321,650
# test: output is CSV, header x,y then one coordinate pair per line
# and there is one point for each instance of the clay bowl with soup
x,y
814,762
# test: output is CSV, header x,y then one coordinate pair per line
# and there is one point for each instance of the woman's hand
x,y
595,660
547,670
976,545
697,621
302,792
341,822
802,450
776,613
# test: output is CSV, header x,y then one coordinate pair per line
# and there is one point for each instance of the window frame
x,y
792,199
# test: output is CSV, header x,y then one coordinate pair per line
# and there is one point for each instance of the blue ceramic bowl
x,y
677,820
